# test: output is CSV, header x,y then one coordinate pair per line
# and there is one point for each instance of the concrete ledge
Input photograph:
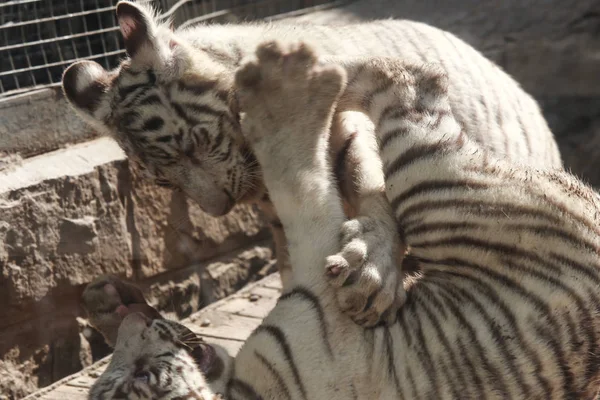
x,y
72,161
38,122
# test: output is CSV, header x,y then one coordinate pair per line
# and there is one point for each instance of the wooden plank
x,y
83,381
64,392
265,292
272,281
255,303
224,325
243,307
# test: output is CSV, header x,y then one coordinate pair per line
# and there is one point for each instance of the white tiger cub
x,y
169,106
507,304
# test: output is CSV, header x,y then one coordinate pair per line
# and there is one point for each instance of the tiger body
x,y
506,304
487,102
172,108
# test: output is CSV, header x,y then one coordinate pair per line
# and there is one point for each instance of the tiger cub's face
x,y
161,359
171,110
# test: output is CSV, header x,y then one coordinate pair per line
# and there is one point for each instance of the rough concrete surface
x,y
71,213
39,122
76,213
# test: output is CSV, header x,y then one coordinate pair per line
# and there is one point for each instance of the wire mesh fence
x,y
40,38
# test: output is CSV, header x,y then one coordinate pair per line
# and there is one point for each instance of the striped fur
x,y
153,361
171,108
506,304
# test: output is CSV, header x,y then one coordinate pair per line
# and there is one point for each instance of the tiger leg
x,y
295,104
280,242
369,287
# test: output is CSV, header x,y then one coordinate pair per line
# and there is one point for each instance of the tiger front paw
x,y
286,96
366,272
108,300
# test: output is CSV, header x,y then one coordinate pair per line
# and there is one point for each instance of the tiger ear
x,y
85,83
137,27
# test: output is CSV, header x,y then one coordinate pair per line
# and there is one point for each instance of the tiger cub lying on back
x,y
507,305
170,106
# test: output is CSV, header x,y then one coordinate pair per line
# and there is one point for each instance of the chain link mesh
x,y
40,38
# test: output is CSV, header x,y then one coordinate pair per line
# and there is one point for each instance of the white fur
x,y
486,102
490,340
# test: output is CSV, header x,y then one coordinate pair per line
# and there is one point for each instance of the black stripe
x,y
150,100
200,109
437,185
475,381
220,134
448,349
545,231
275,373
420,153
153,124
431,371
167,354
183,115
482,208
245,389
395,111
125,91
486,290
458,296
389,351
218,140
304,294
128,119
503,249
561,362
339,169
585,320
227,153
453,227
385,139
491,323
198,88
278,335
368,97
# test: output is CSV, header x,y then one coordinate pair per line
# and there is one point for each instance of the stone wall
x,y
70,215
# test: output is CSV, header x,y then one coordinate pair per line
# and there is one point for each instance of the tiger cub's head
x,y
153,358
171,109
161,359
